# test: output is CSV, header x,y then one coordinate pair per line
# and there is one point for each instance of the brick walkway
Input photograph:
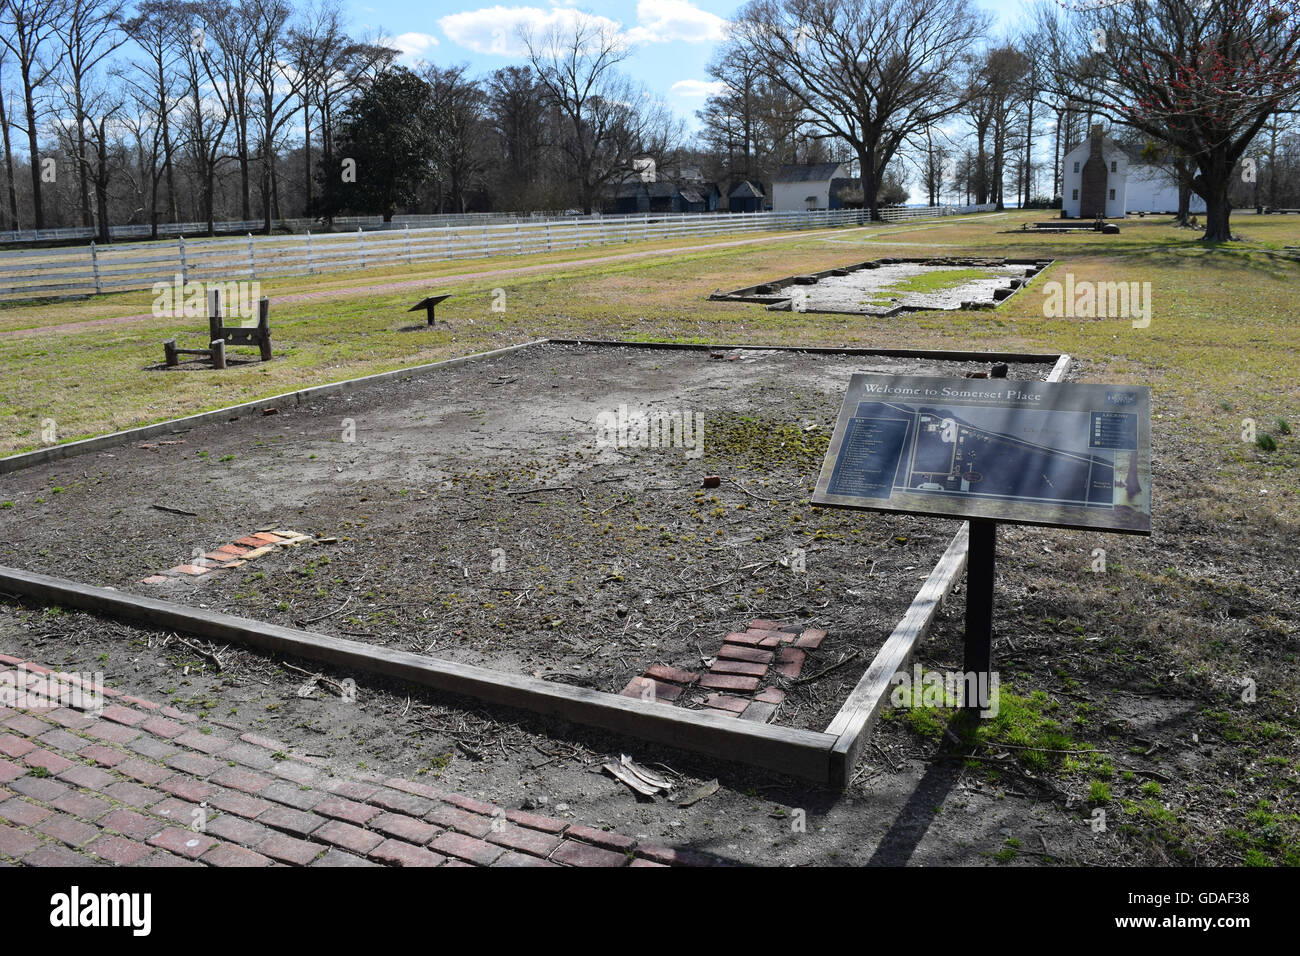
x,y
147,785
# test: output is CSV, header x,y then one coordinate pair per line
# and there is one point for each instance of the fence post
x,y
252,263
407,228
94,264
361,248
310,268
185,269
548,235
519,239
447,232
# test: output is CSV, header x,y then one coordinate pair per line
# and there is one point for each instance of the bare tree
x,y
274,85
10,187
25,27
609,120
873,73
204,118
154,82
90,33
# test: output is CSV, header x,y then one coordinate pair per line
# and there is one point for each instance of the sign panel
x,y
1044,453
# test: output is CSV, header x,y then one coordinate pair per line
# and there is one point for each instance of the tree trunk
x,y
306,154
1184,203
9,165
33,146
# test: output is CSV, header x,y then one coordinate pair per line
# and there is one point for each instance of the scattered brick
x,y
673,675
726,702
743,639
770,695
791,661
739,667
732,653
673,857
760,711
811,638
733,682
762,624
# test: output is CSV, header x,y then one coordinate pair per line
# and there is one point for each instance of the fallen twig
x,y
176,511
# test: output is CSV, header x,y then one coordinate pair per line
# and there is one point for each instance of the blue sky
x,y
672,40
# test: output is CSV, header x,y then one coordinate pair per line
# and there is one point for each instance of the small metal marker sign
x,y
1042,453
992,450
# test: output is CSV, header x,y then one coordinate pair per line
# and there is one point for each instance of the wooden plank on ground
x,y
800,753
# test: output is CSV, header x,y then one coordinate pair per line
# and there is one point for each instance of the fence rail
x,y
31,273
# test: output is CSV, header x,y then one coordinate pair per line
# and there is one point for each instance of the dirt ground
x,y
627,562
483,514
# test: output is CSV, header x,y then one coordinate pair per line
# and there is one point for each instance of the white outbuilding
x,y
1104,179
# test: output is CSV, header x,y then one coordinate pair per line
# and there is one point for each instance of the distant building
x,y
635,196
1104,179
797,188
746,196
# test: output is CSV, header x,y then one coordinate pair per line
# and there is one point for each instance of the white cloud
x,y
497,29
414,44
700,88
660,21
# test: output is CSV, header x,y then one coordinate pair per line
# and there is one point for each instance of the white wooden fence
x,y
31,273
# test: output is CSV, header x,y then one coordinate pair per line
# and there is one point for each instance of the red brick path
x,y
146,785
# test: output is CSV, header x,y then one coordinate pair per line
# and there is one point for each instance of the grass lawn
x,y
1205,607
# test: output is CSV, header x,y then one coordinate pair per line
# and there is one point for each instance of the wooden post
x,y
406,227
980,569
169,353
94,264
218,353
361,248
447,234
310,269
252,265
185,271
264,328
214,313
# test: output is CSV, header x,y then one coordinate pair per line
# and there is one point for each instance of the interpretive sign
x,y
1042,453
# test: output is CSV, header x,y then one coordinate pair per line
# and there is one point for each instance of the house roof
x,y
746,190
814,173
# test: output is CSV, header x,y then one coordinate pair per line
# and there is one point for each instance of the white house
x,y
796,188
1102,178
